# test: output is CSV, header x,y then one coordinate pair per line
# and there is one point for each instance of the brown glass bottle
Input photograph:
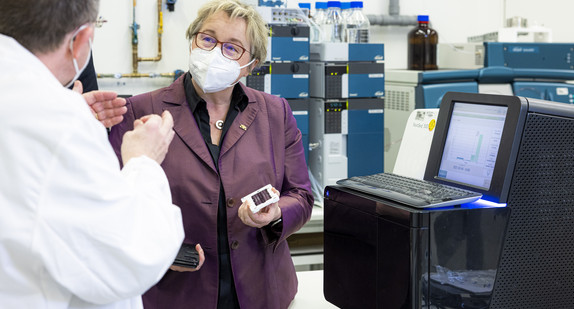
x,y
422,45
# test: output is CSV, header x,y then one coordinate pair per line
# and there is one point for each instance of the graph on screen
x,y
472,144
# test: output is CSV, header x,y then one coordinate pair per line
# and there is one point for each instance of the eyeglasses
x,y
100,22
229,50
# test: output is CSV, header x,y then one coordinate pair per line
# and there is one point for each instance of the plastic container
x,y
358,25
422,46
334,27
345,10
320,13
319,19
317,22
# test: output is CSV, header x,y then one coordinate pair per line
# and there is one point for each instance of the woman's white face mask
x,y
78,71
212,71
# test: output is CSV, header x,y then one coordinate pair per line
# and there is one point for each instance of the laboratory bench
x,y
310,291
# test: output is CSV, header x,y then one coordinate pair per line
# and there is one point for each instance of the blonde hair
x,y
256,27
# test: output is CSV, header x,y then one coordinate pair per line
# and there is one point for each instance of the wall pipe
x,y
136,75
394,7
159,34
135,42
393,19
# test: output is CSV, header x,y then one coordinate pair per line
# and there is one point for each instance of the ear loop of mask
x,y
241,67
78,71
250,62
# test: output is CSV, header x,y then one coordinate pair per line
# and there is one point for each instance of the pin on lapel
x,y
243,127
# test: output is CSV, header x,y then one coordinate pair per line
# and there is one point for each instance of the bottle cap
x,y
305,5
356,4
345,5
320,5
423,18
334,4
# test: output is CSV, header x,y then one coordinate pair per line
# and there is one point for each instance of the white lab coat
x,y
75,231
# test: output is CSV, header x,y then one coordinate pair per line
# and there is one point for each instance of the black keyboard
x,y
410,191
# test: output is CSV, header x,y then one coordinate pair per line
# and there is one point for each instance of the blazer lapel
x,y
184,123
241,123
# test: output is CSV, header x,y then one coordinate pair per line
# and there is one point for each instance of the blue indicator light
x,y
483,203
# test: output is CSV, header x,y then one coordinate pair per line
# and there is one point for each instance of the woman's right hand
x,y
189,269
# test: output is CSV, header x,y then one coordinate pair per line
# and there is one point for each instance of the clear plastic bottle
x,y
358,25
334,26
345,10
319,19
320,12
422,46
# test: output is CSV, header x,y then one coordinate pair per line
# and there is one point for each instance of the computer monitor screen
x,y
475,143
472,144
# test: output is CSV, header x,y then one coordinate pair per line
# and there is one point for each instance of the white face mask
x,y
212,71
78,71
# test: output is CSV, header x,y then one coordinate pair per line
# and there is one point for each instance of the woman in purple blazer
x,y
230,141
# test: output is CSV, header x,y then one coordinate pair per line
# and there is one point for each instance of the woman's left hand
x,y
189,269
261,218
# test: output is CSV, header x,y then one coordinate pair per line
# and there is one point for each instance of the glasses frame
x,y
100,22
243,49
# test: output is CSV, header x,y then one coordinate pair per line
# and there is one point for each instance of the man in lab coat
x,y
75,231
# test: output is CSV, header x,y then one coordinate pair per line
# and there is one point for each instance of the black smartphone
x,y
187,256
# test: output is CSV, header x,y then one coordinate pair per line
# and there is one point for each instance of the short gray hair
x,y
42,25
257,31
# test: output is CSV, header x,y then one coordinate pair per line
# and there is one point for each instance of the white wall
x,y
454,20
